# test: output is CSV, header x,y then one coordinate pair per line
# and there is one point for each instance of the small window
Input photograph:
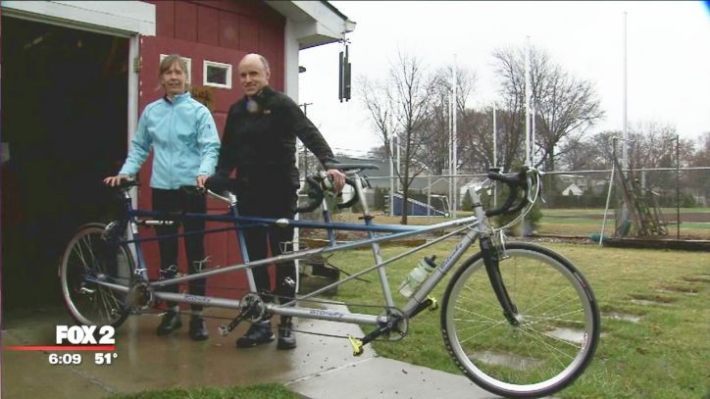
x,y
188,61
217,74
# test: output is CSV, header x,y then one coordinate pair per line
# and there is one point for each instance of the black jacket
x,y
262,144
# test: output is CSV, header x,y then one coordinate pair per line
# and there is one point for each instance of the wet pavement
x,y
319,368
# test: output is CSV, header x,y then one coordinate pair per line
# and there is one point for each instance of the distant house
x,y
572,190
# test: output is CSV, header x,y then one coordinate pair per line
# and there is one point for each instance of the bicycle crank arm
x,y
225,330
387,327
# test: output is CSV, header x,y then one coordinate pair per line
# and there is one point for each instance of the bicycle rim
x,y
87,258
558,323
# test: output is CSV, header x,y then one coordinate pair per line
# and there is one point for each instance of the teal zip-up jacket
x,y
184,139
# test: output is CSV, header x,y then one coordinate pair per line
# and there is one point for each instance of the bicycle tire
x,y
532,359
84,257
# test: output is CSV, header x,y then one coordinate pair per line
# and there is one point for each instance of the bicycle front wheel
x,y
556,330
88,258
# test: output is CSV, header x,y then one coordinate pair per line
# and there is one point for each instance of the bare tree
x,y
565,106
440,116
400,108
593,152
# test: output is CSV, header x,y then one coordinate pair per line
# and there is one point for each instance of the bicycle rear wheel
x,y
558,328
87,258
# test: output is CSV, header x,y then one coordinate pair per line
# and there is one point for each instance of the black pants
x,y
181,201
278,202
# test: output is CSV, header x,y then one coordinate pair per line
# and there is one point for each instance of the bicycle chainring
x,y
139,297
401,327
252,306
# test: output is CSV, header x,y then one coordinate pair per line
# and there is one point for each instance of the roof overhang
x,y
124,18
316,22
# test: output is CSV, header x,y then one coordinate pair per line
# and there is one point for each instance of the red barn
x,y
75,77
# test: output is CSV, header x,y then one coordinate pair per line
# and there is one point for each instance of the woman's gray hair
x,y
168,61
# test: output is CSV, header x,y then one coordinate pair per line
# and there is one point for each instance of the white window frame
x,y
207,63
188,61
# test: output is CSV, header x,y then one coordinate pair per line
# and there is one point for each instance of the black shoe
x,y
198,329
169,323
287,340
259,333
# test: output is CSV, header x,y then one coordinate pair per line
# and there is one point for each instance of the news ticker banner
x,y
82,339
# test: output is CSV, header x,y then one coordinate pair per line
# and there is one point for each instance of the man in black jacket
x,y
259,140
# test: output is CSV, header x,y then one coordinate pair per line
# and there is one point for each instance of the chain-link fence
x,y
664,195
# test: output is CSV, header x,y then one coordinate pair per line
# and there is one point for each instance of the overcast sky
x,y
668,56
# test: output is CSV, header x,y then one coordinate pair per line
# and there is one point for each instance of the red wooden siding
x,y
220,31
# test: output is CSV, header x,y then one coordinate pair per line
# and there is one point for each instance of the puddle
x,y
677,288
568,334
646,302
622,316
697,279
505,359
649,300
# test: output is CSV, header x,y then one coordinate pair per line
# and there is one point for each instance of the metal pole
x,y
428,193
455,156
532,140
606,209
608,195
451,170
624,150
398,164
495,154
527,102
392,176
677,186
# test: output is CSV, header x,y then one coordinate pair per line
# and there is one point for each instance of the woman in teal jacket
x,y
185,144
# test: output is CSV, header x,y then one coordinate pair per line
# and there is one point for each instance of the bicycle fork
x,y
491,261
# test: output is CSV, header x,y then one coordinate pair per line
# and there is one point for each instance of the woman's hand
x,y
201,179
113,181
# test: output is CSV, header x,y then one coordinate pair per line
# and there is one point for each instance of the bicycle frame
x,y
491,283
417,302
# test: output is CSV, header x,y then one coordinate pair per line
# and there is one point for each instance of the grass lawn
x,y
664,355
262,391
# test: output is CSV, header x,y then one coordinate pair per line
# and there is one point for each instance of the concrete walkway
x,y
320,368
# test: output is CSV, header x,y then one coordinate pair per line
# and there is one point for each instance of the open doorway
x,y
64,128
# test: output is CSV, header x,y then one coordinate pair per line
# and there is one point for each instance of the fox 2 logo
x,y
85,335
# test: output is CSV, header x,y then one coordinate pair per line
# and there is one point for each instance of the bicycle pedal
x,y
223,330
357,345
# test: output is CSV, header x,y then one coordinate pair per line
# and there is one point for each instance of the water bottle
x,y
417,276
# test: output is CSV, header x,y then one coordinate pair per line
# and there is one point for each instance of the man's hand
x,y
338,178
113,181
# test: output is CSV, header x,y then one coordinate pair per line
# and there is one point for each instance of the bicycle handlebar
x,y
315,196
316,187
514,181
